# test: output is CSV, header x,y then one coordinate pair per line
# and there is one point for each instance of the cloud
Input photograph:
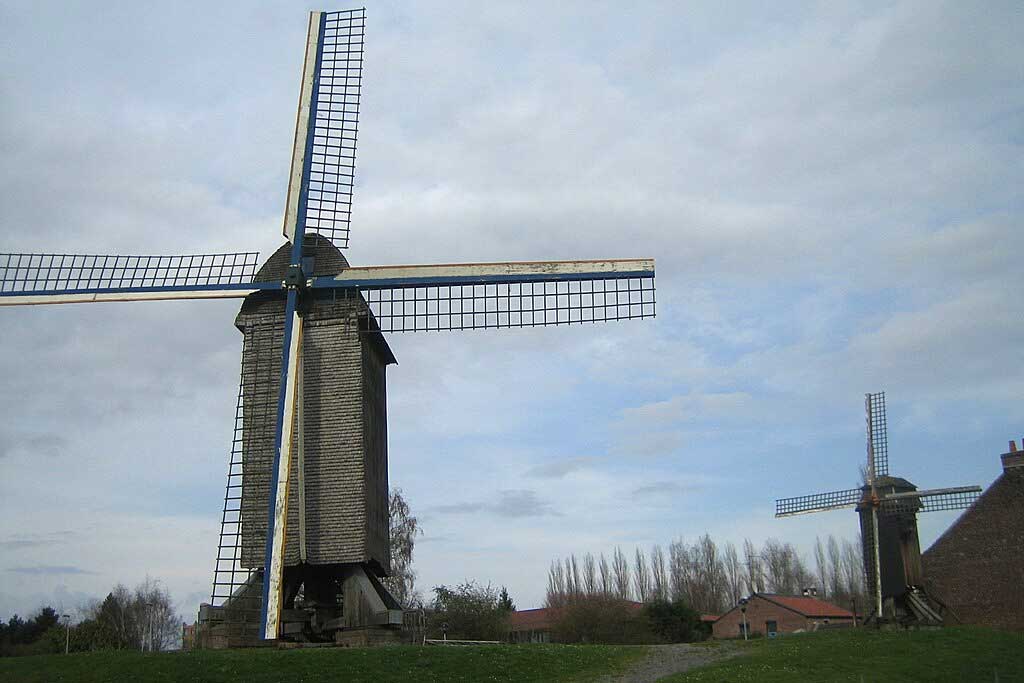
x,y
662,489
691,407
34,540
48,570
509,504
32,445
560,468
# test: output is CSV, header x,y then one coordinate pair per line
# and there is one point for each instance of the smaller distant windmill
x,y
888,508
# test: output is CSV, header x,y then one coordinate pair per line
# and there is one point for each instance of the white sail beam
x,y
291,210
473,273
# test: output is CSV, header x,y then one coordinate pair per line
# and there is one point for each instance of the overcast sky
x,y
832,192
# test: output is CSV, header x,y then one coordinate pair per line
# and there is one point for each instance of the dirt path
x,y
665,660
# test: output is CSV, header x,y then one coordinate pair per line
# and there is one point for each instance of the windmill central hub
x,y
295,278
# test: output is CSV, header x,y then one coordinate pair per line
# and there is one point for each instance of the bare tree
x,y
659,575
711,576
556,596
853,570
734,575
620,570
754,567
822,566
589,574
641,577
159,625
404,529
783,566
606,575
679,571
139,620
572,576
835,570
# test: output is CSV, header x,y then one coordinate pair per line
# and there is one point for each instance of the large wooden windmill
x,y
887,507
306,509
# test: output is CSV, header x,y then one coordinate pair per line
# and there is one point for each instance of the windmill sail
x,y
28,279
818,502
497,295
878,437
933,500
326,127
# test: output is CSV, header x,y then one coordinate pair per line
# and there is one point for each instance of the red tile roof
x,y
531,619
807,606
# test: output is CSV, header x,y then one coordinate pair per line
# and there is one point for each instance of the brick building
x,y
770,613
531,625
976,567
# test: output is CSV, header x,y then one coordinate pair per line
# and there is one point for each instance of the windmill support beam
x,y
933,492
488,273
274,564
148,294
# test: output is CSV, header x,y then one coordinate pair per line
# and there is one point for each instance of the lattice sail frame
x,y
92,273
878,435
818,502
505,305
327,127
336,125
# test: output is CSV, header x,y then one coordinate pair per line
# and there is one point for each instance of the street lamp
x,y
67,634
743,612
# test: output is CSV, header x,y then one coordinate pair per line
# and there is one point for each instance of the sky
x,y
832,192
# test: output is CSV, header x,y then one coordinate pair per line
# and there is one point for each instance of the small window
x,y
770,628
743,629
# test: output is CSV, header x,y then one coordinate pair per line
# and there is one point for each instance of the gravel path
x,y
665,660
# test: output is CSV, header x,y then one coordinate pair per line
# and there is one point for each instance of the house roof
x,y
807,606
531,619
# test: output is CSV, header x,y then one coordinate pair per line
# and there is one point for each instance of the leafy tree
x,y
470,611
26,636
673,622
404,529
505,602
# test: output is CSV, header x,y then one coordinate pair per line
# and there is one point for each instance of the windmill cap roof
x,y
895,482
328,260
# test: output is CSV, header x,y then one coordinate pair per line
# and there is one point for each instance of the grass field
x,y
861,655
408,664
952,654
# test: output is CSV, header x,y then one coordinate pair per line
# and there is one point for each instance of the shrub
x,y
674,622
471,612
602,619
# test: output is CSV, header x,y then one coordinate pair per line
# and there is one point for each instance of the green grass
x,y
952,654
407,664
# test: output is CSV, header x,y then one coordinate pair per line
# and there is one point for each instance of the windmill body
x,y
899,549
887,508
306,503
344,427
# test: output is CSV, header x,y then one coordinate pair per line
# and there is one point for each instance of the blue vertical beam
x,y
289,314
